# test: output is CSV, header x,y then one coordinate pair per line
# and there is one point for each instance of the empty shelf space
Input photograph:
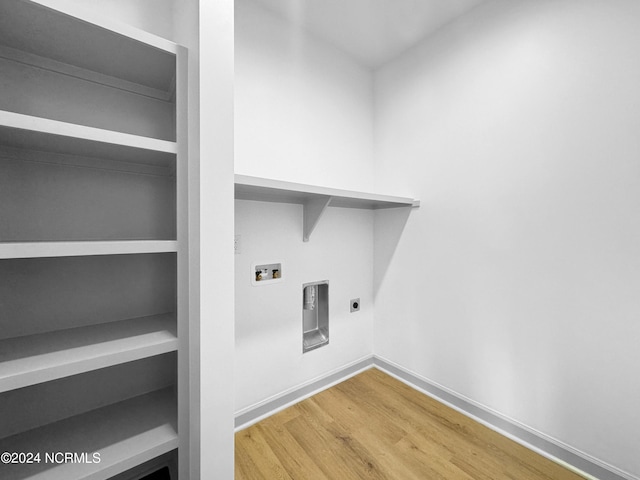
x,y
124,435
46,197
89,42
56,67
48,356
41,93
10,250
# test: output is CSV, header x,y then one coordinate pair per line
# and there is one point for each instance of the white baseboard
x,y
256,412
559,452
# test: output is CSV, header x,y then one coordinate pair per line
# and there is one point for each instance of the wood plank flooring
x,y
374,427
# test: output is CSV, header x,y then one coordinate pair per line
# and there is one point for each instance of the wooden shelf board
x,y
79,249
44,357
314,199
42,134
268,190
124,434
93,43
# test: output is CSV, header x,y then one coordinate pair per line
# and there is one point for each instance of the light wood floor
x,y
374,427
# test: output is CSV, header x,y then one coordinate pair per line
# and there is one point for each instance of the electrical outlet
x,y
355,305
236,244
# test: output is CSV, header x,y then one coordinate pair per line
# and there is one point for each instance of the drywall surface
x,y
214,228
303,109
269,358
516,283
303,113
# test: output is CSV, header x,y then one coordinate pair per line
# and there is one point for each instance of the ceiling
x,y
371,31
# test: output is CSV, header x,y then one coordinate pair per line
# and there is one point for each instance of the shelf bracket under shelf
x,y
312,211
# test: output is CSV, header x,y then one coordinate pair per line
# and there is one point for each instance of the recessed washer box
x,y
315,315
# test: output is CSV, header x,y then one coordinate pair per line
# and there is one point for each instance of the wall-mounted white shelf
x,y
10,250
28,133
124,434
314,199
33,359
46,131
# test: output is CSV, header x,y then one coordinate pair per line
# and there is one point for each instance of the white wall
x,y
516,283
303,108
269,358
303,113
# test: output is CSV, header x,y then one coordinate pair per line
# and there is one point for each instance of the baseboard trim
x,y
579,462
573,459
254,413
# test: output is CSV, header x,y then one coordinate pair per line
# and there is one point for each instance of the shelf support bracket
x,y
312,211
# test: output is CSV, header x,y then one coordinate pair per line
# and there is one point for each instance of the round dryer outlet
x,y
355,305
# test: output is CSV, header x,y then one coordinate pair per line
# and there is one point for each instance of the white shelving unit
x,y
93,243
123,435
315,199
